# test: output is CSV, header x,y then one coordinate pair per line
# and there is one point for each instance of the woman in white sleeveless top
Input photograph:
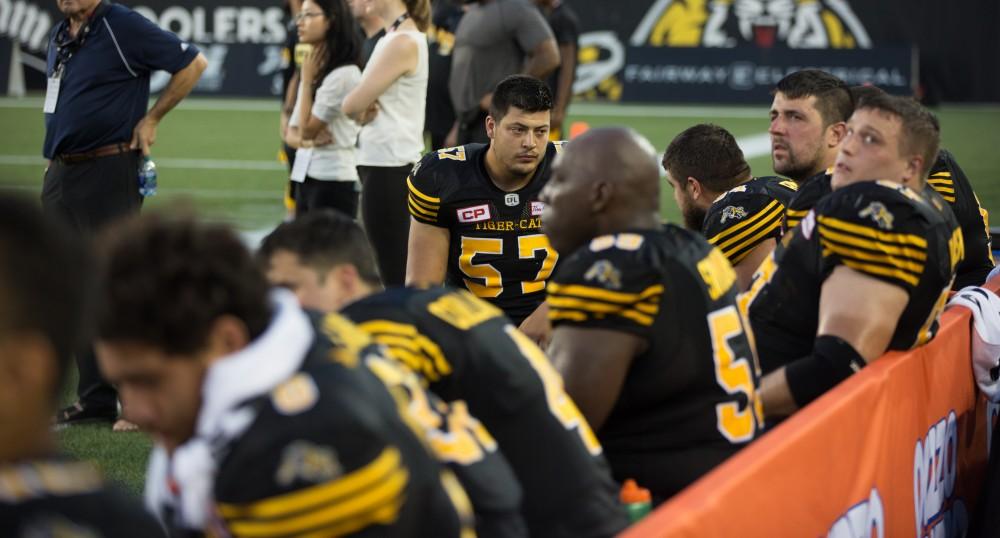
x,y
329,72
389,102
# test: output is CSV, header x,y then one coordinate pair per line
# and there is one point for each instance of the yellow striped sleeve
x,y
580,303
793,217
406,344
371,495
944,184
423,207
898,257
737,241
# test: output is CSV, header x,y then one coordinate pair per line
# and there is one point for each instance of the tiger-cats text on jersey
x,y
497,249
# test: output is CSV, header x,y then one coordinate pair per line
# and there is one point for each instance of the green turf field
x,y
221,156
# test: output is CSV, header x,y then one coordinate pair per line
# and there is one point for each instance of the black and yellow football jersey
x,y
878,228
747,215
950,181
809,194
458,440
468,353
328,454
60,497
497,249
689,400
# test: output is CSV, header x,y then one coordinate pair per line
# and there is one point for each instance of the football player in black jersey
x,y
307,256
646,332
259,432
808,116
42,313
948,179
718,196
466,352
867,270
476,217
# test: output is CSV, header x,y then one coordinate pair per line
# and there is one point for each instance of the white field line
x,y
579,109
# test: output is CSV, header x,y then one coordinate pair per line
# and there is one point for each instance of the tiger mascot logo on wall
x,y
797,24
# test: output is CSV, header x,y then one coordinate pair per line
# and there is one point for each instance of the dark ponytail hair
x,y
343,47
420,12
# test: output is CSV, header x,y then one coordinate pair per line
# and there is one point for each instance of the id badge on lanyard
x,y
52,92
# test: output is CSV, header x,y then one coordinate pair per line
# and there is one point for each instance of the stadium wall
x,y
637,50
899,449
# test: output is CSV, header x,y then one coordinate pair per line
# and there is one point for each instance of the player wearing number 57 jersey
x,y
646,332
476,217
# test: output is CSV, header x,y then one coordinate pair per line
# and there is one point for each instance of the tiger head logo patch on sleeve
x,y
732,212
879,214
605,273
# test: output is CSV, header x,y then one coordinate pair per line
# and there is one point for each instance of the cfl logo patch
x,y
475,213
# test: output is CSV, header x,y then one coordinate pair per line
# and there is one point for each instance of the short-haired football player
x,y
265,426
719,197
476,217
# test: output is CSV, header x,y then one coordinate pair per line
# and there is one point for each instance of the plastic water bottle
x,y
147,177
637,501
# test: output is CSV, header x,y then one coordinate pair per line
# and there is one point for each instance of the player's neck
x,y
501,176
627,219
391,13
371,24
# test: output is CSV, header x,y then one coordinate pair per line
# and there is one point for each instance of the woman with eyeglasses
x,y
389,102
328,73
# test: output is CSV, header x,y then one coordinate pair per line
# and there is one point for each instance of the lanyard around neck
x,y
399,20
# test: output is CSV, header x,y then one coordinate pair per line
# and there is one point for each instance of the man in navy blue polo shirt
x,y
97,129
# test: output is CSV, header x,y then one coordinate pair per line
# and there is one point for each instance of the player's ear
x,y
227,335
914,171
491,126
693,186
600,195
835,134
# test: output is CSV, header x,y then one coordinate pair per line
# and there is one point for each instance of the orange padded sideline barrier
x,y
899,449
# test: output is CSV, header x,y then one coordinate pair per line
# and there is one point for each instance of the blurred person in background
x,y
329,72
97,130
289,90
494,39
371,27
441,40
566,28
390,102
43,308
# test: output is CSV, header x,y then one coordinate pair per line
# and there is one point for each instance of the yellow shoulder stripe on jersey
x,y
914,253
800,213
414,190
864,231
886,259
369,488
767,221
643,315
557,314
735,253
418,211
602,294
403,337
762,217
941,174
25,481
882,270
